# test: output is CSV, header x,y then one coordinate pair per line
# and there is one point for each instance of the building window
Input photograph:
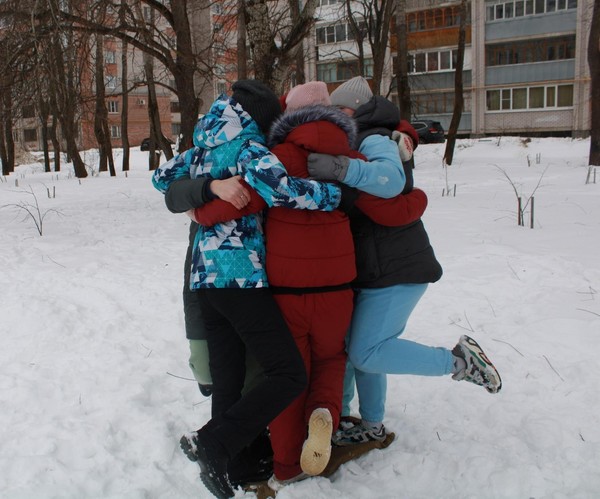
x,y
30,134
110,57
337,33
110,81
519,8
343,70
175,129
113,106
437,103
549,49
323,3
115,131
447,17
532,98
428,62
175,107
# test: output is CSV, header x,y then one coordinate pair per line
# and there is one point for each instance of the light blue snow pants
x,y
374,349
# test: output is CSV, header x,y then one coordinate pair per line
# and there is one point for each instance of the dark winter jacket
x,y
182,196
385,255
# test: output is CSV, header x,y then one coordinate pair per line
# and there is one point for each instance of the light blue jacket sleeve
x,y
267,175
383,174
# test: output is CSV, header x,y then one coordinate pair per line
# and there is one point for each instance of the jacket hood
x,y
378,112
306,118
225,121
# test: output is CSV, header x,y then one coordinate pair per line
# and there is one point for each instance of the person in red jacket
x,y
310,264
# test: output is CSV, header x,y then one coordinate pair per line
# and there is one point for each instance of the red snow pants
x,y
319,323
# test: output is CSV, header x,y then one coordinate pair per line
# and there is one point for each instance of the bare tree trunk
x,y
101,114
401,68
9,141
55,143
594,63
125,96
6,169
62,84
44,109
458,87
242,62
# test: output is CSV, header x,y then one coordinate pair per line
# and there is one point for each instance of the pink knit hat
x,y
307,94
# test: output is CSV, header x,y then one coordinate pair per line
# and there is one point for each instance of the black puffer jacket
x,y
386,256
184,195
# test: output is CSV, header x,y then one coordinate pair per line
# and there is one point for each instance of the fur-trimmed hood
x,y
307,117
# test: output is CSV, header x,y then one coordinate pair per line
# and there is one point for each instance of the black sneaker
x,y
212,462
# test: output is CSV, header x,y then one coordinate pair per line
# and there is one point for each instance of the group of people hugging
x,y
307,255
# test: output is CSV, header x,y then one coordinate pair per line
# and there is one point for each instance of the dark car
x,y
430,131
145,145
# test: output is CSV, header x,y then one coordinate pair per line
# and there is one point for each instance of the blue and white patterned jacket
x,y
229,142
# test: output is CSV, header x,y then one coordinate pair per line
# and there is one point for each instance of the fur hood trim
x,y
282,127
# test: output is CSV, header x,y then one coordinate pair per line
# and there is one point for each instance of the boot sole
x,y
317,447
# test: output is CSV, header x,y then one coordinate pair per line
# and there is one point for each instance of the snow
x,y
95,390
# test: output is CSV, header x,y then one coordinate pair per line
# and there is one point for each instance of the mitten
x,y
405,145
327,167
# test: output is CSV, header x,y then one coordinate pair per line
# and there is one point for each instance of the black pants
x,y
236,320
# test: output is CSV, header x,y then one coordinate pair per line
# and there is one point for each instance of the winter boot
x,y
212,461
479,369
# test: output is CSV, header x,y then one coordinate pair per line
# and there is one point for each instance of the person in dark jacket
x,y
394,266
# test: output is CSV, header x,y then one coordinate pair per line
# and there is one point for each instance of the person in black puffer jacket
x,y
394,266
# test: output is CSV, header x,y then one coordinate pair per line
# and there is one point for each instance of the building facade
x,y
525,67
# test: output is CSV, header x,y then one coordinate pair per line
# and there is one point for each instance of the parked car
x,y
145,145
430,131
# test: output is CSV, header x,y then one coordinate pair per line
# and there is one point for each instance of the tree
x,y
458,86
593,55
371,22
401,68
274,37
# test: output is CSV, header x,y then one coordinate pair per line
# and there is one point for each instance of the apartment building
x,y
525,67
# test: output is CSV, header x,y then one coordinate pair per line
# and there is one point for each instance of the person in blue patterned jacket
x,y
228,273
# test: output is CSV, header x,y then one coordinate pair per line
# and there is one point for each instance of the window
x,y
110,81
427,62
110,57
115,131
548,49
175,129
113,106
175,107
30,135
532,98
519,8
342,71
565,96
337,33
434,19
437,103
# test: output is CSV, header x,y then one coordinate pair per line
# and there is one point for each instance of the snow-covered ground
x,y
94,385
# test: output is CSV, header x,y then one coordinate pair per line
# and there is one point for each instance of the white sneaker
x,y
479,369
275,484
317,447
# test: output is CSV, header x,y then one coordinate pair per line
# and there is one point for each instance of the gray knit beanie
x,y
352,94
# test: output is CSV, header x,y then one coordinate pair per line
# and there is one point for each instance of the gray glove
x,y
327,167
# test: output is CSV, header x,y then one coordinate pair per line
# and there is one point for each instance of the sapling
x,y
521,207
33,211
